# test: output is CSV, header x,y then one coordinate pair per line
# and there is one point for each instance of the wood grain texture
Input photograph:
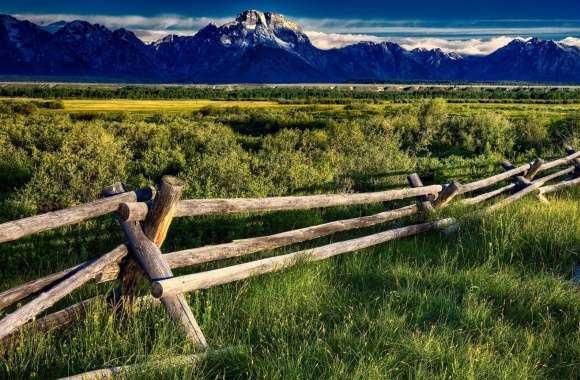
x,y
48,298
162,210
483,197
237,248
128,271
195,207
226,275
531,188
150,259
511,172
216,252
424,203
109,273
11,296
449,192
149,256
559,186
486,182
534,168
560,162
23,227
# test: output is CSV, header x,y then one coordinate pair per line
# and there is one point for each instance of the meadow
x,y
495,300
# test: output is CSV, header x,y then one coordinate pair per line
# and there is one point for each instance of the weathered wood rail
x,y
145,216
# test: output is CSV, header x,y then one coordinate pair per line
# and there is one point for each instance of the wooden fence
x,y
146,214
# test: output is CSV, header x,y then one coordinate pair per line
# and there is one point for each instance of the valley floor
x,y
496,300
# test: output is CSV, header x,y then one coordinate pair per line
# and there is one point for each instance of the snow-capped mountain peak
x,y
252,28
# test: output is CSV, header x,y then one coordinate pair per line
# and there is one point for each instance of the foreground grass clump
x,y
494,301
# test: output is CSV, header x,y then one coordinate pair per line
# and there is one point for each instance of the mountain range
x,y
261,47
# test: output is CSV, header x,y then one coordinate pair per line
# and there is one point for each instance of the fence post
x,y
423,201
145,241
534,168
517,181
576,161
129,271
447,194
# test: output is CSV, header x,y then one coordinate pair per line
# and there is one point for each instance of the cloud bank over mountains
x,y
454,36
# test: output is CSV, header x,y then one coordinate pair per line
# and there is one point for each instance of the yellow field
x,y
181,105
129,105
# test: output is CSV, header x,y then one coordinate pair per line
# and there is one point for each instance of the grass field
x,y
122,105
494,301
153,106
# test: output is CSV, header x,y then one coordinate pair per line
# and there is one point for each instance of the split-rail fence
x,y
146,214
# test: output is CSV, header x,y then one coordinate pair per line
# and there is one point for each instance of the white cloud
x,y
472,46
572,41
161,22
432,28
146,28
465,47
335,40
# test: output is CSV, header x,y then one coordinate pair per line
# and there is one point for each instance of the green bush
x,y
88,159
51,104
484,133
566,131
532,133
420,125
17,107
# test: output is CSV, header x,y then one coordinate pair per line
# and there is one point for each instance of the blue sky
x,y
475,27
410,9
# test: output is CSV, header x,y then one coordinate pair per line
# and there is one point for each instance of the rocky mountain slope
x,y
261,48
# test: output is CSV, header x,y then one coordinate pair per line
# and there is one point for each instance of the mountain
x,y
261,47
533,60
75,48
256,47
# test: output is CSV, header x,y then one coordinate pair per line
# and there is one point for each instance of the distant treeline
x,y
302,95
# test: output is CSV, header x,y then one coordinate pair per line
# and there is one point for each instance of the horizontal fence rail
x,y
196,207
146,214
486,182
58,292
215,277
559,186
237,248
531,187
51,220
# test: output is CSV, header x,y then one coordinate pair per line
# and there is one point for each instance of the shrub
x,y
420,125
293,160
566,131
104,116
485,133
531,133
87,160
15,165
18,107
52,104
215,163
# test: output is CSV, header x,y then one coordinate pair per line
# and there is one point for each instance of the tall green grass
x,y
493,301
